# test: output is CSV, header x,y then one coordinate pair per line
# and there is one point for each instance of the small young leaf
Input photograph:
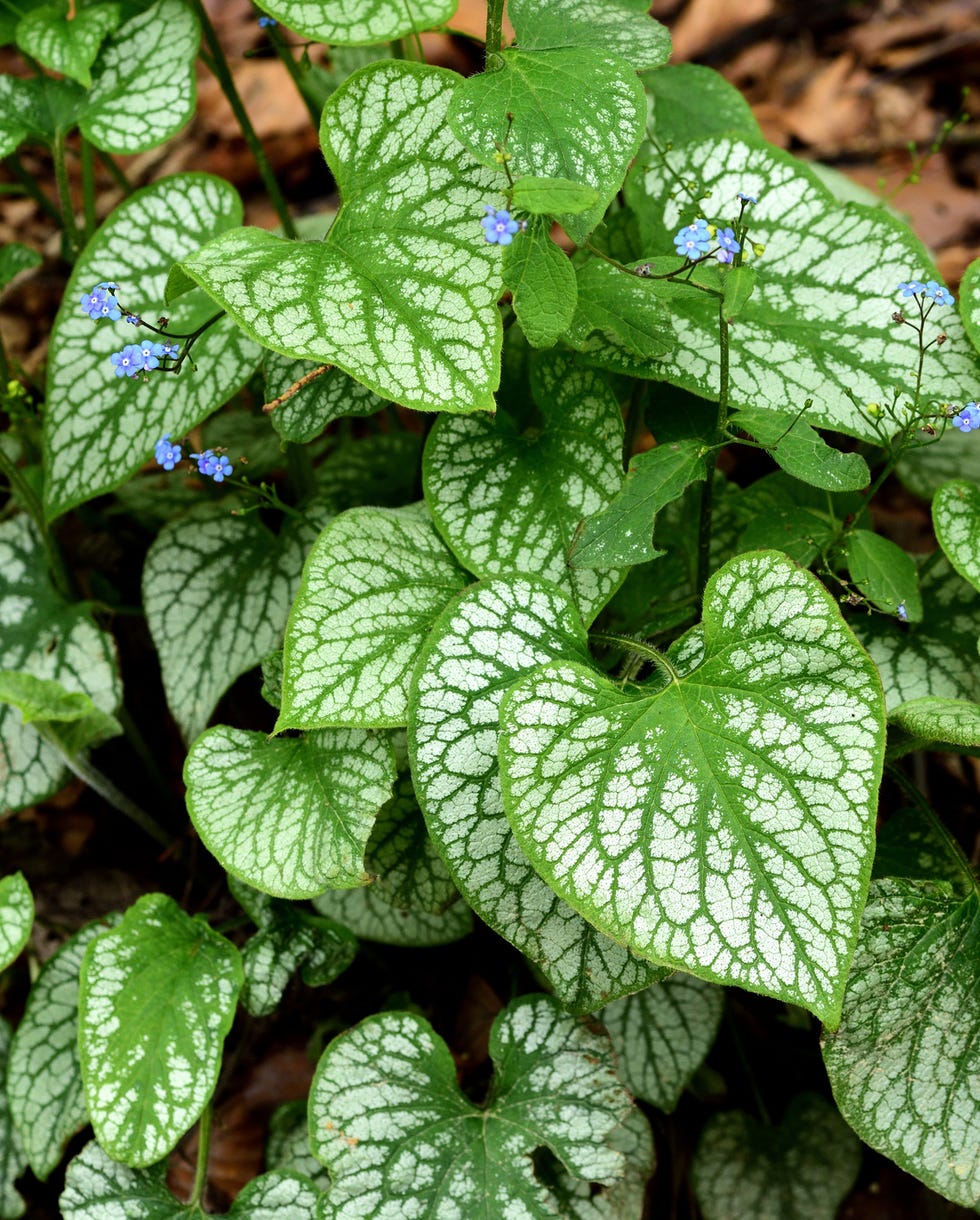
x,y
801,451
44,1076
904,1063
217,591
800,1170
884,573
332,395
290,816
482,643
402,292
288,1145
16,917
12,1163
508,493
69,720
50,638
571,113
691,101
662,1034
621,27
555,1086
370,917
729,827
99,429
737,288
359,22
67,46
156,999
143,87
952,720
550,196
623,532
542,282
15,258
956,519
373,584
621,317
36,109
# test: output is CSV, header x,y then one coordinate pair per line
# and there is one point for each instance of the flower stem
x,y
24,492
203,1154
218,65
495,23
64,195
707,487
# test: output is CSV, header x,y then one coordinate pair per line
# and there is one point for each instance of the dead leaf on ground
x,y
704,22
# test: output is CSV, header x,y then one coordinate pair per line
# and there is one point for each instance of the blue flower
x,y
222,468
266,22
746,198
968,420
498,227
912,288
694,239
149,355
901,612
170,349
729,246
128,362
215,466
936,292
100,303
133,319
166,454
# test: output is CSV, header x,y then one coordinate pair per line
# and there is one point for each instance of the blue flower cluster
x,y
215,466
101,302
166,454
136,358
498,226
929,291
695,239
266,23
968,420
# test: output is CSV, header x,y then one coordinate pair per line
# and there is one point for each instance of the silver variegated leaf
x,y
359,22
16,917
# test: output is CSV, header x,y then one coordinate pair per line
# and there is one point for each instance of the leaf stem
x,y
64,194
284,51
88,187
203,1154
707,487
218,66
495,28
638,649
24,492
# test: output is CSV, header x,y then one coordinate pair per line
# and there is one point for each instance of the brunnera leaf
x,y
16,917
720,816
359,22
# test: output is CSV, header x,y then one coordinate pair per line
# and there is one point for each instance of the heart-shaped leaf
x,y
925,469
818,324
904,1064
16,917
542,283
662,1034
287,940
555,1086
217,591
15,258
402,292
67,46
373,584
691,101
370,917
619,319
622,27
956,519
481,645
509,493
50,638
801,451
97,1187
721,820
573,113
37,110
359,22
12,1163
143,87
157,997
800,1170
99,429
885,574
948,720
329,396
44,1075
290,816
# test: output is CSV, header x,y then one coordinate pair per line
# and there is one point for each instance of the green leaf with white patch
x,y
99,1188
12,1163
720,820
800,450
402,292
370,917
481,645
385,1100
571,112
620,27
331,395
801,1170
818,324
288,1145
550,196
359,22
15,258
67,46
36,110
143,87
44,1075
99,429
691,101
157,997
289,816
542,283
287,940
662,1034
884,573
380,470
624,1199
925,469
509,493
49,638
623,532
905,1061
915,843
217,591
956,520
373,584
16,917
619,319
936,657
948,720
410,872
68,720
970,302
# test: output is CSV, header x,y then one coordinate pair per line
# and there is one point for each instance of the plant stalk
x,y
64,195
88,187
707,487
203,1154
495,27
